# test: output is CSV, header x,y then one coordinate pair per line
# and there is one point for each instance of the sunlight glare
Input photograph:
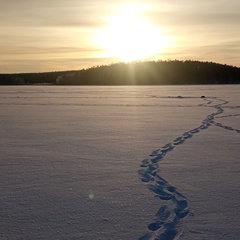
x,y
130,36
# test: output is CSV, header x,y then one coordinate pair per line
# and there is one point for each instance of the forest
x,y
135,73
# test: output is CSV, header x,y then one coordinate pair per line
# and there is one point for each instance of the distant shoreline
x,y
133,74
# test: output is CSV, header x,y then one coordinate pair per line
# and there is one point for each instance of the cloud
x,y
47,65
189,19
59,33
52,13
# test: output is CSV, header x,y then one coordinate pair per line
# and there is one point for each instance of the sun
x,y
130,36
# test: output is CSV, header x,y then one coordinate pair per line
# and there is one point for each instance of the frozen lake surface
x,y
142,163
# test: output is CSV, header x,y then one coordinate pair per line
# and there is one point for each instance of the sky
x,y
58,35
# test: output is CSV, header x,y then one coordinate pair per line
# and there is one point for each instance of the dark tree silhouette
x,y
135,73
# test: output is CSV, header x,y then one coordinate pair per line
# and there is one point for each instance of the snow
x,y
146,162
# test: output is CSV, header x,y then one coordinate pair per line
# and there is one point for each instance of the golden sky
x,y
39,36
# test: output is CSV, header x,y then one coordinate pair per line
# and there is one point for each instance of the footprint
x,y
167,145
158,158
166,224
196,130
152,169
145,176
181,213
180,204
162,214
160,192
181,210
155,226
169,234
145,163
154,153
171,188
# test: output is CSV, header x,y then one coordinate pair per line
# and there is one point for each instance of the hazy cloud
x,y
63,13
62,30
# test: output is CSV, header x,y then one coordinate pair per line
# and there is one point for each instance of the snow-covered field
x,y
141,163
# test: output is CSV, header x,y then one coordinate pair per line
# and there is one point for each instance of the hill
x,y
135,73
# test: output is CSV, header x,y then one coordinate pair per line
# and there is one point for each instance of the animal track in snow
x,y
225,127
168,221
230,115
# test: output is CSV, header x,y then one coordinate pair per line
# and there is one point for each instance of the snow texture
x,y
159,162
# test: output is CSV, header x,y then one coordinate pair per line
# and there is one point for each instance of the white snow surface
x,y
139,162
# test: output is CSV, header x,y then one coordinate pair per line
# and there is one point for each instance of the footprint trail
x,y
168,221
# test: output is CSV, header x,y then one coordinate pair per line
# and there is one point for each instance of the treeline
x,y
135,73
30,78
